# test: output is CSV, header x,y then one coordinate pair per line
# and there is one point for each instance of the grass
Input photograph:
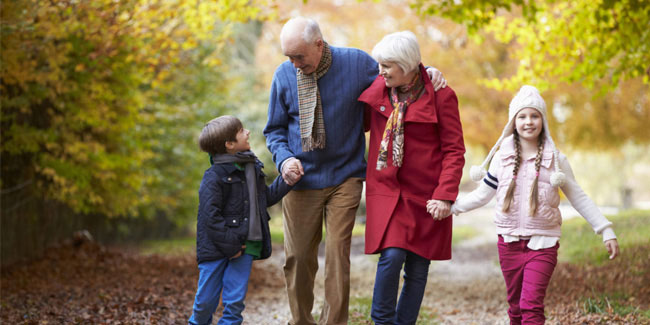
x,y
581,247
170,247
579,244
462,233
611,304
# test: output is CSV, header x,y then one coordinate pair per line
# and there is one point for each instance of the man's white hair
x,y
310,32
401,48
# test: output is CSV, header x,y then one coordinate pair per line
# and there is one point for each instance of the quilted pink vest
x,y
518,221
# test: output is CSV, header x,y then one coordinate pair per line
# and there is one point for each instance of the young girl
x,y
525,173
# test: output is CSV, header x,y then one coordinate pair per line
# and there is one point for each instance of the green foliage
x,y
102,100
596,43
581,245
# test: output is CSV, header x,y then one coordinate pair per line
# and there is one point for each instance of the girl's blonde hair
x,y
533,203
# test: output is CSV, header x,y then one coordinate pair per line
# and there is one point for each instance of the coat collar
x,y
422,110
228,168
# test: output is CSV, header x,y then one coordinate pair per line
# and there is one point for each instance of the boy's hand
x,y
612,248
243,247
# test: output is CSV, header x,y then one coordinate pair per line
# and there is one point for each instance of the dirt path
x,y
91,284
466,290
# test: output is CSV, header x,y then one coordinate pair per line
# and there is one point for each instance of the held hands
x,y
439,209
612,248
437,79
292,171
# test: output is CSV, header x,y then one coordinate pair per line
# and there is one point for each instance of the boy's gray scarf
x,y
248,159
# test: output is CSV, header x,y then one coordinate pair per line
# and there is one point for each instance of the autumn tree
x,y
591,56
102,101
596,43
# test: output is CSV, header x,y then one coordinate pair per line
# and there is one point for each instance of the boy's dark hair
x,y
216,132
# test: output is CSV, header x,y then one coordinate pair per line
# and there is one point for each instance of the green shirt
x,y
254,247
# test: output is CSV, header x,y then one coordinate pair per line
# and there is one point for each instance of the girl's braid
x,y
511,188
538,163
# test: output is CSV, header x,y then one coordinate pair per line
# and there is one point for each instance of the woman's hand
x,y
438,209
612,248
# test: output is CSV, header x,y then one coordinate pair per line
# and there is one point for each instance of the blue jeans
x,y
416,269
229,275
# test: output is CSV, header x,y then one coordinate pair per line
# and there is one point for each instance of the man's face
x,y
304,56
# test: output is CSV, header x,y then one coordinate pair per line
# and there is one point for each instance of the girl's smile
x,y
528,124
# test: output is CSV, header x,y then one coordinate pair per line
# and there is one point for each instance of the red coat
x,y
431,169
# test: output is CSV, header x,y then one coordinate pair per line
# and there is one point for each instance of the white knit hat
x,y
528,96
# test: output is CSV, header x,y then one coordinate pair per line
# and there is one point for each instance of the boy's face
x,y
241,143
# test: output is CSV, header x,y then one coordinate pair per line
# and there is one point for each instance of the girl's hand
x,y
612,248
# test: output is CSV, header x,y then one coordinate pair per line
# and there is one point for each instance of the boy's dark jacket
x,y
222,225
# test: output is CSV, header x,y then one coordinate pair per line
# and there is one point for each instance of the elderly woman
x,y
415,157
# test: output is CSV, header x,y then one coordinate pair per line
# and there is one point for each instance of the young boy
x,y
232,228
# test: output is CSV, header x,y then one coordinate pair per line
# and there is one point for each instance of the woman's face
x,y
393,75
528,123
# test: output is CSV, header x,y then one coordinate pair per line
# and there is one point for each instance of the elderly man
x,y
315,129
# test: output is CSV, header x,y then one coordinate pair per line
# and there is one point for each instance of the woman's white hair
x,y
401,48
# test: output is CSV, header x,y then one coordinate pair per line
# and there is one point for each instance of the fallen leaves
x,y
92,284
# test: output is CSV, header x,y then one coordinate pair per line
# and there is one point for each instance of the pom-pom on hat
x,y
528,96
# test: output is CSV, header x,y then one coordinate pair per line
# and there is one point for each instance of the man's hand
x,y
437,79
439,209
292,171
612,248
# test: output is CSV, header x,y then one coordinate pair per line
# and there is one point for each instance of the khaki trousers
x,y
304,214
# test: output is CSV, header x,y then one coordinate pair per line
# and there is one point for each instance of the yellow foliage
x,y
78,81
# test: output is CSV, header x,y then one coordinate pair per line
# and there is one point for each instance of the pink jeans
x,y
527,273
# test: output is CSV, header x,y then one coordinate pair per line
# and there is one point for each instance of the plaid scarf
x,y
312,123
395,123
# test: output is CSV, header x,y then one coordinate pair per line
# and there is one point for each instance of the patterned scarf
x,y
395,123
312,123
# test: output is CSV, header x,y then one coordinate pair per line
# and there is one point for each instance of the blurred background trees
x,y
101,105
102,100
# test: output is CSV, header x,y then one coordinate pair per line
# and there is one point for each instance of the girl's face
x,y
241,143
393,75
528,123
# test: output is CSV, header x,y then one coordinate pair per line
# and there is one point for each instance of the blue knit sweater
x,y
351,72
